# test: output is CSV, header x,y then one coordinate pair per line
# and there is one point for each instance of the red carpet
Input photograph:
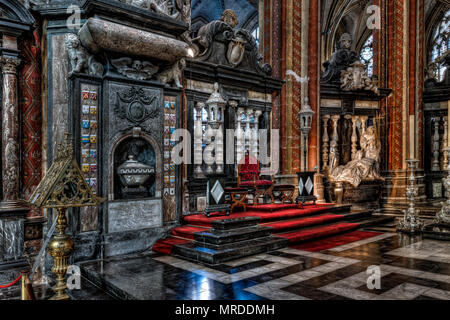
x,y
303,222
166,245
202,220
318,232
187,231
295,223
336,241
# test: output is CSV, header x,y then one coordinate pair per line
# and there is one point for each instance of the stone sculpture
x,y
173,74
207,33
356,78
220,42
340,60
366,163
134,69
80,60
163,7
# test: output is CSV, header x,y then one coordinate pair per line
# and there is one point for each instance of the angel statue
x,y
365,166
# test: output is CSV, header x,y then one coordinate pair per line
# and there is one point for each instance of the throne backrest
x,y
248,169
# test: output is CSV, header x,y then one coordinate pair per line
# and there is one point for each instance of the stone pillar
x,y
248,130
363,123
209,160
198,136
436,166
325,140
445,145
256,134
354,137
219,149
240,138
334,153
10,135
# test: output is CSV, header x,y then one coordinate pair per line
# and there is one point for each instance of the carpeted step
x,y
318,232
292,224
202,220
273,207
187,232
166,245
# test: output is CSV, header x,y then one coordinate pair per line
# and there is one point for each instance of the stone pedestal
x,y
11,241
366,196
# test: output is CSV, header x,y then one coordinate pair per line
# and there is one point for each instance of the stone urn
x,y
134,174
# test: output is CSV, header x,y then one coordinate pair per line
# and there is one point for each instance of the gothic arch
x,y
14,17
343,16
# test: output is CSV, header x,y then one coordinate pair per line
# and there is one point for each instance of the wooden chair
x,y
249,177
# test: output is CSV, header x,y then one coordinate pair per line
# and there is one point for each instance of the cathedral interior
x,y
225,150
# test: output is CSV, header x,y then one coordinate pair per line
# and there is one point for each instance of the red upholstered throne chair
x,y
249,176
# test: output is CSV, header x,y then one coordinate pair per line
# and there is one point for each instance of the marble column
x,y
210,146
334,152
219,148
325,140
255,145
10,135
354,137
240,137
248,130
445,145
198,136
363,123
436,166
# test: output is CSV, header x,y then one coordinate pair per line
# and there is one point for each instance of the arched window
x,y
366,55
440,44
255,34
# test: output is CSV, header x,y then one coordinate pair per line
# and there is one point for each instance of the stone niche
x,y
120,78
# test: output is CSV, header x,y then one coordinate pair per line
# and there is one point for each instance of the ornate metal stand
x,y
60,248
62,187
411,222
443,216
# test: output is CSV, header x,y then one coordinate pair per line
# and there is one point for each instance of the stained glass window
x,y
439,46
366,55
255,34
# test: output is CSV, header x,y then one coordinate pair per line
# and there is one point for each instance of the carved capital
x,y
9,65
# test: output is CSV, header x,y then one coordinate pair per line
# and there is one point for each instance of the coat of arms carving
x,y
136,106
236,51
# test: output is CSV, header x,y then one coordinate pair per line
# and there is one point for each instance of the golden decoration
x,y
63,187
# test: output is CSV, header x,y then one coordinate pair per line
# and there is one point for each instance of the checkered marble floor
x,y
411,268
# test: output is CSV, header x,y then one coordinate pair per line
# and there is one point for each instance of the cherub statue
x,y
80,60
173,73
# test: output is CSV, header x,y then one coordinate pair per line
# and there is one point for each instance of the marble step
x,y
233,223
219,237
437,231
213,254
374,220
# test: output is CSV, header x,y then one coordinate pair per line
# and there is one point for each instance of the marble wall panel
x,y
134,215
